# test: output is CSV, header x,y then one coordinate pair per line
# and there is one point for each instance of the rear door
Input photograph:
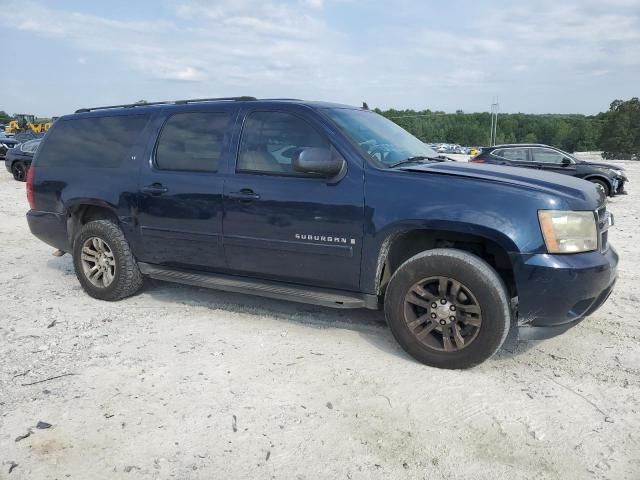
x,y
288,226
515,156
180,192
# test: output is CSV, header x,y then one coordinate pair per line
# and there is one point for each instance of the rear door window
x,y
99,142
513,154
192,142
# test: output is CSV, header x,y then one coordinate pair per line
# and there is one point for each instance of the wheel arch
x,y
603,178
83,211
400,245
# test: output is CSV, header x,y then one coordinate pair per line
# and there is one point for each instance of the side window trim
x,y
243,126
153,163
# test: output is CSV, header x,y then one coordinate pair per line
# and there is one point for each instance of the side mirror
x,y
321,161
566,162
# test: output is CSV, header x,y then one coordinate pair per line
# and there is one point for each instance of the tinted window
x,y
513,154
543,155
102,142
269,140
192,141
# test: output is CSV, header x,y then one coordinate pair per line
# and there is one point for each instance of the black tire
x,y
127,279
602,184
19,171
478,278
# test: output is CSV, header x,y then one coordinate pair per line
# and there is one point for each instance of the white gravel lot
x,y
181,382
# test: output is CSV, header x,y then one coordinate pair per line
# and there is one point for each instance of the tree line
x,y
615,132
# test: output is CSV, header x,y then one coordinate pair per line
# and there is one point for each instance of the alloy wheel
x,y
442,313
98,262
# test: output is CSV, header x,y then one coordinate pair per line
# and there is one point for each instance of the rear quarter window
x,y
98,142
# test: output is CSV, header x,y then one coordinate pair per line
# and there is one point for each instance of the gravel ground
x,y
181,382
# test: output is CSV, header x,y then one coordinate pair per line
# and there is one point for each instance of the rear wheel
x,y
601,185
448,308
104,263
19,171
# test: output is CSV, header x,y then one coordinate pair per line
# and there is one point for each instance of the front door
x,y
180,198
283,225
553,161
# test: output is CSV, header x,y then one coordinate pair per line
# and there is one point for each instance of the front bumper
x,y
556,292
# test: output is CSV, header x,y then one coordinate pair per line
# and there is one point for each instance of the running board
x,y
265,288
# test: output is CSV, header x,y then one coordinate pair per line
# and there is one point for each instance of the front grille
x,y
604,219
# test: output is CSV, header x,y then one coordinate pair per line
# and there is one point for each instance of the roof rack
x,y
169,102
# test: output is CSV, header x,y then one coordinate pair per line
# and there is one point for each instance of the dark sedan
x,y
610,178
18,159
5,144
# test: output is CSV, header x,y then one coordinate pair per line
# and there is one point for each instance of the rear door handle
x,y
155,189
246,194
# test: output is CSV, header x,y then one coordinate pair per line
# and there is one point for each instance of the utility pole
x,y
495,108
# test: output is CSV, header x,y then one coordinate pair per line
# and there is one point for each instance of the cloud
x,y
306,48
235,40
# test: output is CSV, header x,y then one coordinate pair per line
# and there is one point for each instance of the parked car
x,y
6,143
324,204
609,178
436,156
23,137
18,159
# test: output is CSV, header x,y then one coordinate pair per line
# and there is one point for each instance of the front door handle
x,y
155,189
246,195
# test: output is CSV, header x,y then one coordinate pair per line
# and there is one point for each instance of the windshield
x,y
382,140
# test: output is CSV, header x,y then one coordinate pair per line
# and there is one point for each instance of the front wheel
x,y
19,171
104,263
602,186
448,308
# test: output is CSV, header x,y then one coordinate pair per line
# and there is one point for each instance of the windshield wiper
x,y
415,159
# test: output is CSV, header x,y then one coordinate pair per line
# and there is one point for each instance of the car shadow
x,y
369,324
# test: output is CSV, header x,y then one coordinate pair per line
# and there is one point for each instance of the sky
x,y
536,56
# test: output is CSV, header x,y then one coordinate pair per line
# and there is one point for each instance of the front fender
x,y
390,234
397,203
602,177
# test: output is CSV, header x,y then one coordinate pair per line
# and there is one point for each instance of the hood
x,y
601,165
532,179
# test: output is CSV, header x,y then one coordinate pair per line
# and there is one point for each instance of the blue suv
x,y
325,204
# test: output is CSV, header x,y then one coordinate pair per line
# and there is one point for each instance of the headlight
x,y
568,231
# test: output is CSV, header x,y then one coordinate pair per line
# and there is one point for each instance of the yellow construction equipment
x,y
25,122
